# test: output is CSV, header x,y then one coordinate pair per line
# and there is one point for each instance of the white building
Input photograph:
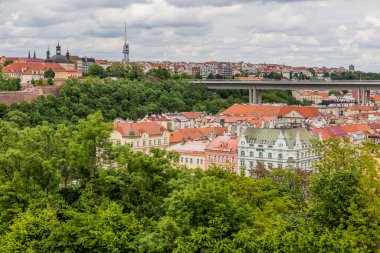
x,y
276,148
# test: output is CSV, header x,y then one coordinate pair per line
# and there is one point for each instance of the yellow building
x,y
141,135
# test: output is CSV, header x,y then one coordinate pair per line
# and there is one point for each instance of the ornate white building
x,y
276,148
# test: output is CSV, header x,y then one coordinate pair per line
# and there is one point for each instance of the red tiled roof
x,y
192,115
325,133
224,143
35,67
270,110
195,133
336,131
152,128
356,128
305,111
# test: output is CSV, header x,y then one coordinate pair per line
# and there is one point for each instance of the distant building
x,y
351,68
86,63
276,148
58,57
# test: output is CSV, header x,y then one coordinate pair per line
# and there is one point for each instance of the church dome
x,y
60,59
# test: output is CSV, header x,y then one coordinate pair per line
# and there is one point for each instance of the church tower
x,y
58,49
126,45
34,54
67,54
29,54
48,54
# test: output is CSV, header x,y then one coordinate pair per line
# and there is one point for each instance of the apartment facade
x,y
276,148
140,136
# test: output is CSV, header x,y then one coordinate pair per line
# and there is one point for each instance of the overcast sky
x,y
312,33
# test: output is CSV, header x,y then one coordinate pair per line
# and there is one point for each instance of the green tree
x,y
49,73
96,70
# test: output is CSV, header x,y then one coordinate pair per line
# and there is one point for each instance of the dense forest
x,y
124,98
65,188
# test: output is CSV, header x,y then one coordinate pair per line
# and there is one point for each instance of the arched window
x,y
242,153
251,154
270,155
280,156
301,155
280,145
261,154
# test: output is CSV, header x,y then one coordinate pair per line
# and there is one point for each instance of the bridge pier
x,y
254,96
363,95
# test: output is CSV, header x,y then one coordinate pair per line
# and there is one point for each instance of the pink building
x,y
223,152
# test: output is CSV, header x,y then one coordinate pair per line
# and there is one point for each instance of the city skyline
x,y
310,33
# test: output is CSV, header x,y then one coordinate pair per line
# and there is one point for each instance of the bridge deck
x,y
290,85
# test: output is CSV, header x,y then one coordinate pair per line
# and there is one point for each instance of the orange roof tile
x,y
152,128
195,133
192,115
356,128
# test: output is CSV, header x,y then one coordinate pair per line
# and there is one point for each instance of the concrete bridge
x,y
255,87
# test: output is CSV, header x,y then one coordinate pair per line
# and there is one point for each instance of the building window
x,y
242,162
154,142
261,154
201,161
144,143
159,141
165,140
209,158
270,166
187,160
191,160
233,159
137,143
214,158
181,159
150,142
242,153
280,156
262,142
251,164
280,166
281,145
270,155
251,154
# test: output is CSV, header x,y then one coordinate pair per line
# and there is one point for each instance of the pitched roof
x,y
35,67
336,131
192,115
305,111
356,128
270,110
195,133
270,135
223,143
126,128
253,110
193,147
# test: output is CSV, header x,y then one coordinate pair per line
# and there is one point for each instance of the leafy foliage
x,y
65,188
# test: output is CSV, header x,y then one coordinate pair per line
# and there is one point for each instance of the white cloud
x,y
320,32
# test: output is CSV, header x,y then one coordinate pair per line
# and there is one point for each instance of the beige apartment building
x,y
140,136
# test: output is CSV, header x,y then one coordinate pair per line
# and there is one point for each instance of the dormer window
x,y
262,142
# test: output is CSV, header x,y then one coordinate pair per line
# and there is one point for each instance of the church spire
x,y
58,49
48,54
67,54
29,54
34,54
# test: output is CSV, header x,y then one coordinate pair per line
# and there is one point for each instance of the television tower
x,y
126,45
